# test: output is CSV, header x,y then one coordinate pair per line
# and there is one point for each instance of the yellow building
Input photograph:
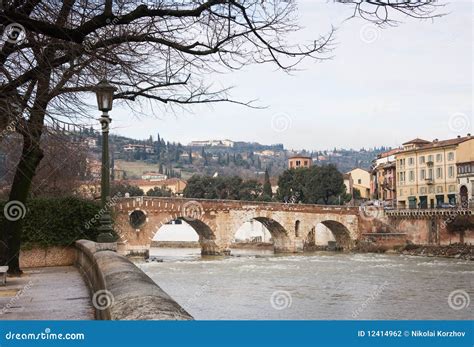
x,y
465,172
426,173
361,182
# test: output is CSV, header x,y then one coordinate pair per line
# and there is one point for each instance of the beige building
x,y
427,174
361,182
348,183
298,161
465,172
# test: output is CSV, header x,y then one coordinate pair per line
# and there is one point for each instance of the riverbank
x,y
456,250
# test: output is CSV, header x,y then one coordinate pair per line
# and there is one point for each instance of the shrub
x,y
58,221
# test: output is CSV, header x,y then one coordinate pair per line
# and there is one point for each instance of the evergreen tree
x,y
267,186
190,156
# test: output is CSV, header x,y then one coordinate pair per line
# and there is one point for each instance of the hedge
x,y
57,221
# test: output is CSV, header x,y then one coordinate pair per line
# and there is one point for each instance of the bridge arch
x,y
205,233
325,231
279,235
340,232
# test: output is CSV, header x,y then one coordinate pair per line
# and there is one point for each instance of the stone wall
x,y
120,290
435,229
50,256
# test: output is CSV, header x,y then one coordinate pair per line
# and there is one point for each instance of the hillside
x,y
247,160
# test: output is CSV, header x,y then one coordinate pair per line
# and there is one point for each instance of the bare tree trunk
x,y
10,233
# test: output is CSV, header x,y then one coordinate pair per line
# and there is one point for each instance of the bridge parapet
x,y
223,205
428,213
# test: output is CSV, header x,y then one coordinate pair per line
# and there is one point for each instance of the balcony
x,y
429,180
429,163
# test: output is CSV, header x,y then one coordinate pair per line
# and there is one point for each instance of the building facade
x,y
465,173
426,173
361,182
383,177
153,176
348,183
298,161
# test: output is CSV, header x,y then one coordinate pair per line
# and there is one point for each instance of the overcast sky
x,y
383,87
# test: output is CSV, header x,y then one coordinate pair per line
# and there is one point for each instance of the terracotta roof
x,y
416,141
443,143
389,153
300,156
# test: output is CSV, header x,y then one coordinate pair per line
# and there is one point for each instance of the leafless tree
x,y
52,53
63,169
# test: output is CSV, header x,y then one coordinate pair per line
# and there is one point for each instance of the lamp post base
x,y
106,234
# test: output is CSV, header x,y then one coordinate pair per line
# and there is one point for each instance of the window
x,y
439,158
411,161
411,175
430,174
297,228
452,188
298,163
423,190
422,174
422,160
451,171
439,173
451,156
439,189
359,181
137,219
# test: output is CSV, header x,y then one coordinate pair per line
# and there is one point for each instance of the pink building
x,y
383,180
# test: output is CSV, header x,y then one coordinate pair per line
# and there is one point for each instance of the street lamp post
x,y
105,93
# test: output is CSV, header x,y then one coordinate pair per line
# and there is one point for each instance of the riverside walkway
x,y
49,293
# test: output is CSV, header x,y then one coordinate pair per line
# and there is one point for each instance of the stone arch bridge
x,y
292,226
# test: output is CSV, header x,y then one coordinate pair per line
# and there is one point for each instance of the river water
x,y
323,285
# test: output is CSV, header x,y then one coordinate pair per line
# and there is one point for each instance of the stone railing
x,y
120,290
427,213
